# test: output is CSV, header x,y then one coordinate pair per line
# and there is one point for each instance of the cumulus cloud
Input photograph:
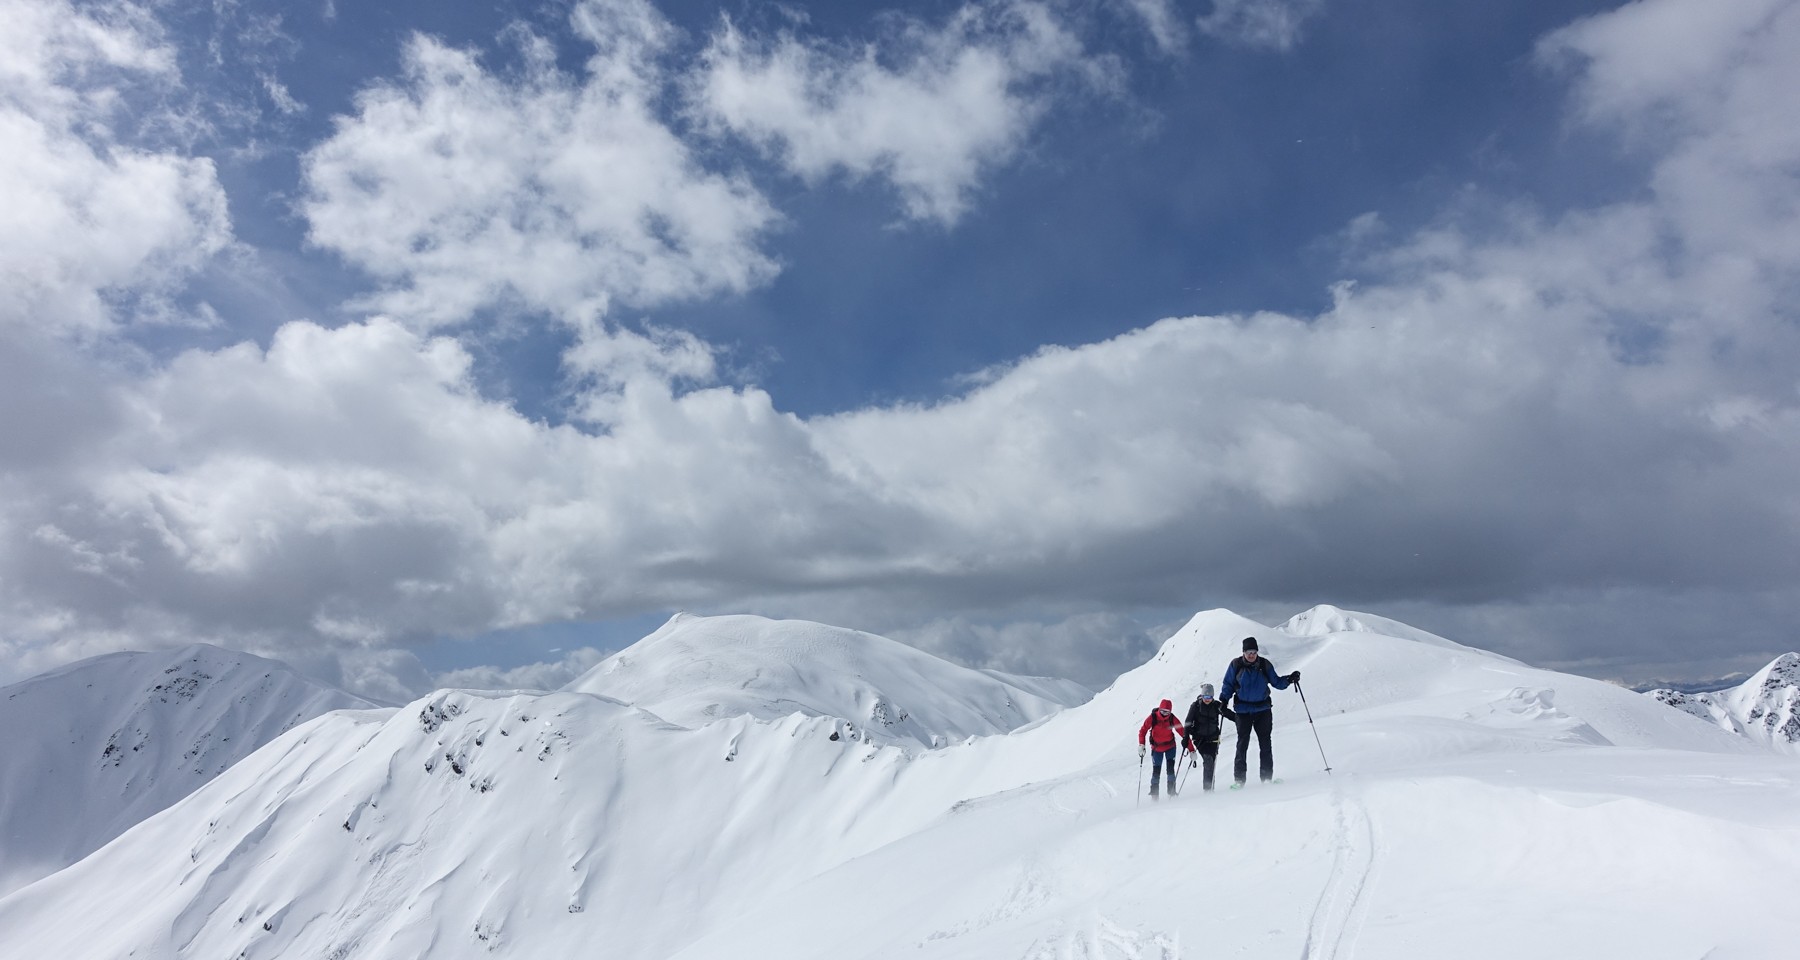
x,y
90,215
928,110
460,189
1511,406
1703,85
1655,53
351,486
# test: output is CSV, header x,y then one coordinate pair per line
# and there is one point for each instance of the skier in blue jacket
x,y
1249,678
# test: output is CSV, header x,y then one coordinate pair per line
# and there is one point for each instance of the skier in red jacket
x,y
1165,732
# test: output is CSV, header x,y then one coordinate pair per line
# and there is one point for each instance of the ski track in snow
x,y
1337,917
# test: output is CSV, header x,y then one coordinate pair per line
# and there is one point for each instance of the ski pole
x,y
1140,790
1315,729
1182,770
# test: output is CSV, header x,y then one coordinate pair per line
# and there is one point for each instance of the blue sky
x,y
1214,180
425,337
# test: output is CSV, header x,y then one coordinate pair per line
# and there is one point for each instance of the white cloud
x,y
547,675
928,110
58,60
1511,404
1165,23
280,95
88,218
1087,648
461,190
1276,24
1644,55
1706,86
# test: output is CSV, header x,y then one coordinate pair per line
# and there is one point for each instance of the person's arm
x,y
1228,712
1276,680
1228,686
1145,728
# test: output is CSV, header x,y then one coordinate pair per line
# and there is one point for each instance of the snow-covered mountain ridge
x,y
695,670
1479,808
96,746
1764,708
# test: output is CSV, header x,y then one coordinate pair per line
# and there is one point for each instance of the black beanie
x,y
1249,644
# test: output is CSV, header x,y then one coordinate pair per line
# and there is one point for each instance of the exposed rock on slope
x,y
1765,708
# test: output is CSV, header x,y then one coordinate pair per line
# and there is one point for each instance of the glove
x,y
1294,677
1140,751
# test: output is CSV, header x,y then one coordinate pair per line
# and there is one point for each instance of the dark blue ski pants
x,y
1159,759
1258,723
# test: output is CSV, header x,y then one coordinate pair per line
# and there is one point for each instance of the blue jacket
x,y
1250,684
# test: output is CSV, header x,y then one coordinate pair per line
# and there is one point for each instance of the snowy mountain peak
x,y
484,826
1325,619
696,670
1764,708
129,734
1322,619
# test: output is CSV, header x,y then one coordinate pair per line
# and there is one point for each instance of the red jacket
x,y
1164,730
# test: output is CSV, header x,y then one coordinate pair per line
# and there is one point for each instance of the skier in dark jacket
x,y
1248,679
1165,732
1203,721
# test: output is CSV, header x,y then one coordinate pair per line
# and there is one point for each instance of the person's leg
x,y
1265,724
1209,756
1240,763
1174,766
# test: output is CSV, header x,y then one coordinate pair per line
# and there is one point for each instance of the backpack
x,y
1262,664
1161,724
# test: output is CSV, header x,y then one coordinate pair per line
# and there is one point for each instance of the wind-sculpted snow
x,y
699,669
97,746
1479,808
1764,708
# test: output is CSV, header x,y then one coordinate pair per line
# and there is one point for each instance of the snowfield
x,y
1477,808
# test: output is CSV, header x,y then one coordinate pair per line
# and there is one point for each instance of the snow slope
x,y
1478,808
1765,708
99,745
699,669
